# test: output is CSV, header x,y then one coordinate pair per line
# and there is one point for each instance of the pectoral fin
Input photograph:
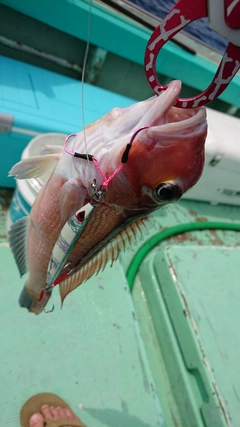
x,y
51,149
18,243
72,198
34,167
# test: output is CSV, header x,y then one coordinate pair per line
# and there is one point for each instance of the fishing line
x,y
90,157
83,74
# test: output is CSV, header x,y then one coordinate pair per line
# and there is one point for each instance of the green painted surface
x,y
200,286
124,37
183,381
183,395
90,353
186,211
86,352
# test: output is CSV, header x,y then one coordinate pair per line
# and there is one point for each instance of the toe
x,y
55,413
36,420
45,409
62,412
67,413
70,414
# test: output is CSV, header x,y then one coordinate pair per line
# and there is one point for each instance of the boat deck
x,y
134,360
91,352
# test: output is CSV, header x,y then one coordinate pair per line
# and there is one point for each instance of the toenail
x,y
44,407
35,419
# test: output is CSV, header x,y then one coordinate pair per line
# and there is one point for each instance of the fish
x,y
147,156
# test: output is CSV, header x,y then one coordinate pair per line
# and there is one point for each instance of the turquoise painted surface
x,y
42,101
125,38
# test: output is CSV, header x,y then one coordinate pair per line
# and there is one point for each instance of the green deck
x,y
135,362
186,297
91,353
205,309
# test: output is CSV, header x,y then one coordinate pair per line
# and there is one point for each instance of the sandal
x,y
34,404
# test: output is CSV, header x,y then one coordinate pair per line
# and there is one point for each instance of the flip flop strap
x,y
64,422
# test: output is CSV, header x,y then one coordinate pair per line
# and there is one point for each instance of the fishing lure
x,y
72,230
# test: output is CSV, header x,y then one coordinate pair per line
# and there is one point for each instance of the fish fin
x,y
18,243
34,167
72,197
98,262
51,149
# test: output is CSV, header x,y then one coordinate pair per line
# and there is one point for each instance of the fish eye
x,y
167,192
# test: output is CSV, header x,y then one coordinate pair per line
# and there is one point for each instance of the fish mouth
x,y
166,121
156,122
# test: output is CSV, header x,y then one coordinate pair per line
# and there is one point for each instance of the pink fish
x,y
164,160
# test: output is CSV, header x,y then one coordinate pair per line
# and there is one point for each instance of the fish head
x,y
166,157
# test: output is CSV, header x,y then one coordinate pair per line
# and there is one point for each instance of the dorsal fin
x,y
18,243
98,262
34,167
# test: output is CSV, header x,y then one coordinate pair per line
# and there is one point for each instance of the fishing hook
x,y
47,288
49,311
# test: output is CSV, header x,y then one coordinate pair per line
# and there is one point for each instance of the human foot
x,y
49,410
52,413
